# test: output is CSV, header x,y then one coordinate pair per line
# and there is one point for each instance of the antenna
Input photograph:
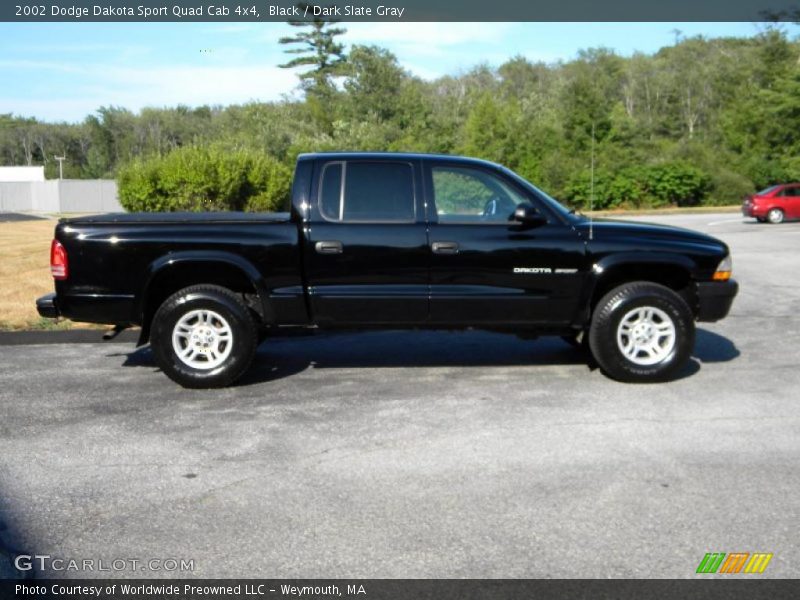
x,y
591,190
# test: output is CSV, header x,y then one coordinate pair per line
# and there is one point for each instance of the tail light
x,y
59,265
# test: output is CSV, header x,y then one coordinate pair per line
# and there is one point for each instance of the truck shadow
x,y
10,548
281,357
710,347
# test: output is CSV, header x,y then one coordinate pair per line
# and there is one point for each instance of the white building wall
x,y
21,173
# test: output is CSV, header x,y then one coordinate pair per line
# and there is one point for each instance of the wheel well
x,y
173,279
674,277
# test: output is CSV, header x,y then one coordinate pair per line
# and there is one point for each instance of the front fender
x,y
624,266
612,261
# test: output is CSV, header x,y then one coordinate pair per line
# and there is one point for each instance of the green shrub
x,y
729,188
210,178
675,184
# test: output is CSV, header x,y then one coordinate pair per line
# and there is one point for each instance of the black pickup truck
x,y
392,241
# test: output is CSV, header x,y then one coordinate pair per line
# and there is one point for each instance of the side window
x,y
367,191
792,192
465,195
330,193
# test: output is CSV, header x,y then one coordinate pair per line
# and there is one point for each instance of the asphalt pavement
x,y
8,217
420,454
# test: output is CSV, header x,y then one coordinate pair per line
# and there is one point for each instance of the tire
x,y
642,332
775,216
204,336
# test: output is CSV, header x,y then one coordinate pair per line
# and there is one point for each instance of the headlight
x,y
723,272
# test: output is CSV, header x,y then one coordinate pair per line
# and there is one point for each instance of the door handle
x,y
328,247
445,247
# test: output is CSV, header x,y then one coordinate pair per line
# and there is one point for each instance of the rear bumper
x,y
47,307
751,210
715,299
88,308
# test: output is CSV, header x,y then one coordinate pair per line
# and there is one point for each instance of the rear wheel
x,y
642,332
204,336
775,216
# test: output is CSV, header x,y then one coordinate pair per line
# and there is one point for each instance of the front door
x,y
489,270
366,252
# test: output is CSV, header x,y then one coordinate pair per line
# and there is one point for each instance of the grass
x,y
25,275
665,211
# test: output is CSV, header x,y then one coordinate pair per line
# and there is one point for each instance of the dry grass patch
x,y
25,274
664,211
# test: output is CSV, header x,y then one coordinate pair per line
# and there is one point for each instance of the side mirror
x,y
528,215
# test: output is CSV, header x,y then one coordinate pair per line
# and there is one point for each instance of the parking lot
x,y
421,454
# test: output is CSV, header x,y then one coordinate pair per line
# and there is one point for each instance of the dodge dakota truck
x,y
388,240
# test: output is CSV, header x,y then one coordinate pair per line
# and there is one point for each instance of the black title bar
x,y
402,10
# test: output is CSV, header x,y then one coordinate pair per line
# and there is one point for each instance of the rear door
x,y
366,252
489,270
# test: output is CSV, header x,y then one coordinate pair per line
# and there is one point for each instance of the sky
x,y
66,71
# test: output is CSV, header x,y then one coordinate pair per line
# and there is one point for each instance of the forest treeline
x,y
702,121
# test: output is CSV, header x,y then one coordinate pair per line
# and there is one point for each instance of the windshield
x,y
551,202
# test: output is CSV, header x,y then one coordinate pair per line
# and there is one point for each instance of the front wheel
x,y
642,332
203,337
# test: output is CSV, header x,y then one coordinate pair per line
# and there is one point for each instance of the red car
x,y
774,204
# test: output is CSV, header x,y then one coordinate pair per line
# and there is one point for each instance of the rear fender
x,y
172,265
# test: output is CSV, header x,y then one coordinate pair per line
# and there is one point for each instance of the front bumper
x,y
47,307
715,299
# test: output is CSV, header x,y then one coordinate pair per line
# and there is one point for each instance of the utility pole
x,y
591,192
60,160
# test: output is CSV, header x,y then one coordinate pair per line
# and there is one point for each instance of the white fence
x,y
60,196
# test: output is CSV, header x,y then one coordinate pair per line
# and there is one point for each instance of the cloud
x,y
49,109
425,37
136,88
39,65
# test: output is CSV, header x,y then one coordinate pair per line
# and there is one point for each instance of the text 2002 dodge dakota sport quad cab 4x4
x,y
391,241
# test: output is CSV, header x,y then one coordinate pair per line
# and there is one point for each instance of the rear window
x,y
367,191
768,190
330,192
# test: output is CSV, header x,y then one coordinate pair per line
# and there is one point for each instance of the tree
x,y
318,49
374,82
